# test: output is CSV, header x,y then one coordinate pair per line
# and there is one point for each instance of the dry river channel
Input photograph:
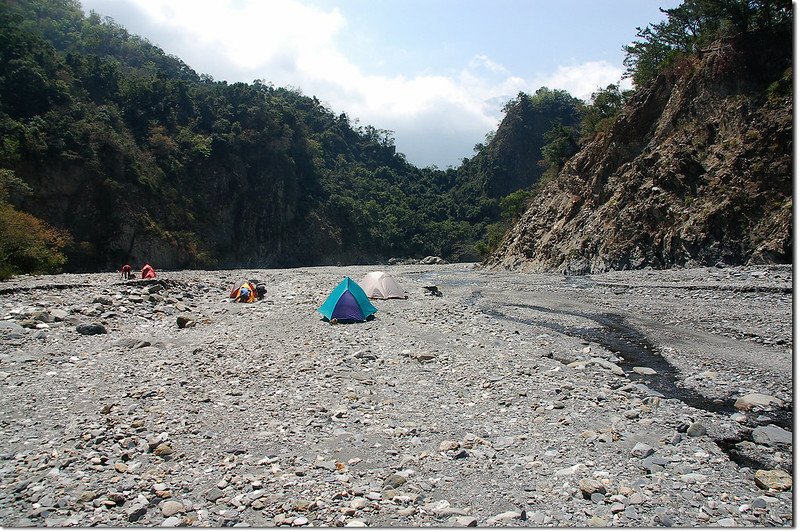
x,y
643,398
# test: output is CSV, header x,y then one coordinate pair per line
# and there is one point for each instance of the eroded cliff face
x,y
696,171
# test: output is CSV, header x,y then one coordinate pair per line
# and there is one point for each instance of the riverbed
x,y
511,399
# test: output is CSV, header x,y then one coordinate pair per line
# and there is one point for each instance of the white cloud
x,y
584,79
249,34
437,119
483,61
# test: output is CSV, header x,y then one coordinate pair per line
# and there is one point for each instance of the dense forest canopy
x,y
113,151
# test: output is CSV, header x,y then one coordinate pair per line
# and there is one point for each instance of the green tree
x,y
694,24
604,107
562,143
27,244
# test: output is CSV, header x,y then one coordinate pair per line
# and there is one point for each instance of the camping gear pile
x,y
247,292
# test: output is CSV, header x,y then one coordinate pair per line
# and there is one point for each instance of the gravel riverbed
x,y
643,398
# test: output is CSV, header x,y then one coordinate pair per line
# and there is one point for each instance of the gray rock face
x,y
11,329
641,450
613,205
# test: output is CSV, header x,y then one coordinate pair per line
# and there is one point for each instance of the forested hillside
x,y
113,152
116,152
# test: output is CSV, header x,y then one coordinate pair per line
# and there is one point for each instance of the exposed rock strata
x,y
696,171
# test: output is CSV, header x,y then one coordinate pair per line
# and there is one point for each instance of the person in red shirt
x,y
126,271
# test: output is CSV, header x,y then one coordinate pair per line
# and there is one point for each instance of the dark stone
x,y
186,321
395,481
135,513
91,328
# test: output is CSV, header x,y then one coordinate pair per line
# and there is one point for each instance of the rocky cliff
x,y
697,170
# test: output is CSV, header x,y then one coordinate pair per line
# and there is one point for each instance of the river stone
x,y
747,402
692,478
597,498
505,517
590,486
776,480
185,321
214,493
759,503
696,430
569,470
449,445
11,329
103,300
163,449
87,496
537,518
641,370
465,521
395,481
423,356
631,513
136,512
58,314
597,521
616,370
328,465
91,328
771,435
641,450
450,511
170,508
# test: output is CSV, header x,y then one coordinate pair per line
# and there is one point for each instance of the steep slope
x,y
510,160
696,171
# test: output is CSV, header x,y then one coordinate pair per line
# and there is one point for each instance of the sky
x,y
436,73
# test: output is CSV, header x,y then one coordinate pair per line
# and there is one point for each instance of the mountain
x,y
510,160
112,151
134,157
696,170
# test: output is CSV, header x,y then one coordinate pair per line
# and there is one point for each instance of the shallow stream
x,y
634,349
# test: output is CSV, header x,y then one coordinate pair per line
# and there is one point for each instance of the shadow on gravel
x,y
635,350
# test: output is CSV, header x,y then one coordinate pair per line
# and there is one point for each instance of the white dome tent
x,y
381,285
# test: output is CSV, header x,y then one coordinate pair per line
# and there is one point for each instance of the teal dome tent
x,y
347,302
